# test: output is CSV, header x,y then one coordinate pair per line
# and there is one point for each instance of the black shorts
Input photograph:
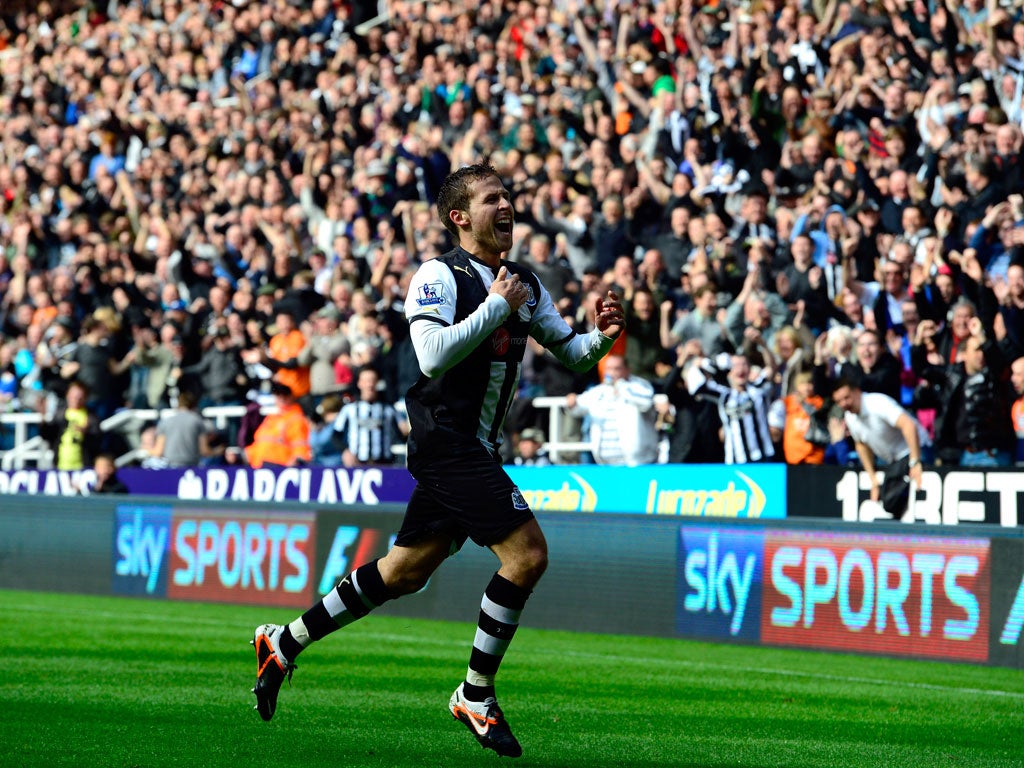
x,y
464,494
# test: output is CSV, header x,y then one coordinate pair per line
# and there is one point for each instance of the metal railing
x,y
34,451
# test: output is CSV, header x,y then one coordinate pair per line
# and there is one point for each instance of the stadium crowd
x,y
222,198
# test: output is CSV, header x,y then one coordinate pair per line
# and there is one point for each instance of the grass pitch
x,y
119,683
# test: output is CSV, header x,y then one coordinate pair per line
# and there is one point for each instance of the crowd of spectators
x,y
207,196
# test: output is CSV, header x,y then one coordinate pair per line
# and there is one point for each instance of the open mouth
x,y
504,226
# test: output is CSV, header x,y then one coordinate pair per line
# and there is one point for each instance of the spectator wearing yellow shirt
x,y
74,432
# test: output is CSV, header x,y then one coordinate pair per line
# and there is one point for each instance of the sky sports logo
x,y
141,535
886,594
227,558
720,582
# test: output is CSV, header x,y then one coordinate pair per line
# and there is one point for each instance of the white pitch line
x,y
647,661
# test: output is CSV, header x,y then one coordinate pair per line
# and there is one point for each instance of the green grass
x,y
112,682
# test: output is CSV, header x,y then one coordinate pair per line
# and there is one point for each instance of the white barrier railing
x,y
36,451
556,415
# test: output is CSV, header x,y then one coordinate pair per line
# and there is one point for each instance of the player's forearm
x,y
909,430
867,459
440,347
583,351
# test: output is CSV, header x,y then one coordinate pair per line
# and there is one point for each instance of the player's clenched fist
x,y
509,288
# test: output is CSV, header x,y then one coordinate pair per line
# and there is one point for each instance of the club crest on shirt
x,y
531,300
430,294
517,499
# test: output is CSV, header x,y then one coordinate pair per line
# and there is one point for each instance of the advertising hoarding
x,y
683,490
891,594
262,559
1006,647
214,555
141,538
947,496
720,578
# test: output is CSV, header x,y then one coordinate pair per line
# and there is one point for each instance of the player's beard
x,y
496,238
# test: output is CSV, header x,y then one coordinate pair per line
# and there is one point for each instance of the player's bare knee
x,y
532,563
408,582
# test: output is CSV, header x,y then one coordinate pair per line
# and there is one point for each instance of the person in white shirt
x,y
622,416
882,429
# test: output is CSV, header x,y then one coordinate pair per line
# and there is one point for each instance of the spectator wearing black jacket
x,y
973,429
220,371
876,368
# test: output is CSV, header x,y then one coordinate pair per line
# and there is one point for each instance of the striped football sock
x,y
354,597
502,604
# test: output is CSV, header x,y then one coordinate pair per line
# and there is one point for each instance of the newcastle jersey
x,y
470,350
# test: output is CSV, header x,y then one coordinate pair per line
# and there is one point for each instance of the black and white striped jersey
x,y
744,413
368,430
470,349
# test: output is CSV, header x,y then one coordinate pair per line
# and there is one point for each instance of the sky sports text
x,y
161,552
885,594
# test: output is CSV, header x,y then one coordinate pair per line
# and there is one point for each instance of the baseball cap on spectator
x,y
287,308
376,168
533,434
66,322
716,39
134,317
330,312
956,181
664,84
755,188
282,390
870,205
204,251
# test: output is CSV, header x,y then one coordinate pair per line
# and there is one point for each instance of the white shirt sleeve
x,y
439,343
579,352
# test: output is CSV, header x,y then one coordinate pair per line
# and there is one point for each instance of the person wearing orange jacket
x,y
804,442
287,354
282,439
